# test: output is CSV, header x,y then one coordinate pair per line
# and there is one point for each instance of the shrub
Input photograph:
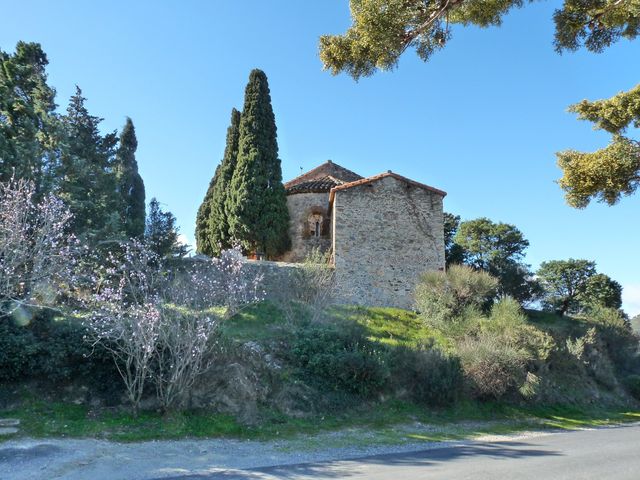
x,y
632,382
51,349
339,357
17,350
616,333
508,322
428,375
591,355
38,256
507,314
492,368
160,326
311,288
442,297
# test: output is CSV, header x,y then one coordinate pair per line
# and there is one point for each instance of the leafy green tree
x,y
256,205
613,171
29,127
603,291
161,233
574,286
453,253
212,224
498,248
88,184
564,283
129,183
382,30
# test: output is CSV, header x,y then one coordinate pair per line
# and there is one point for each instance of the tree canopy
x,y
613,171
453,253
130,185
382,30
67,154
572,286
161,233
256,205
212,224
87,181
497,248
29,128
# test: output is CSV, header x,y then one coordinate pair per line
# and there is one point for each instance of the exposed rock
x,y
234,388
295,400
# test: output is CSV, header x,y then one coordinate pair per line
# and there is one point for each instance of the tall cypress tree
x,y
203,238
212,226
218,220
256,205
129,183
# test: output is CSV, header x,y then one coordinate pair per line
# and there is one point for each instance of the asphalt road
x,y
609,453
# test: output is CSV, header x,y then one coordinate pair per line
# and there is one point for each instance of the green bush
x,y
426,374
442,297
618,337
500,355
632,382
340,357
492,368
17,350
507,314
508,322
53,350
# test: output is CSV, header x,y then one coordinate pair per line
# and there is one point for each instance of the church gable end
x,y
383,231
387,231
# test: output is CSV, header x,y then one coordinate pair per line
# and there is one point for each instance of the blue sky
x,y
481,120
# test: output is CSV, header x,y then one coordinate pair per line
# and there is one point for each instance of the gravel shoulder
x,y
40,459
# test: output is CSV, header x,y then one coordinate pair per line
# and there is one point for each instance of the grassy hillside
x,y
575,369
365,368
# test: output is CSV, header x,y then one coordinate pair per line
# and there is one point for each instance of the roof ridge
x,y
373,178
323,165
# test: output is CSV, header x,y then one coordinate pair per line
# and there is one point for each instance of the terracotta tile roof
x,y
375,178
317,185
327,169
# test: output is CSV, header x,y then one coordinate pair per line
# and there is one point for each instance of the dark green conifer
x,y
203,237
212,226
29,126
129,183
88,183
161,233
256,205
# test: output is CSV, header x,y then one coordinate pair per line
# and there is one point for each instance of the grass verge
x,y
387,423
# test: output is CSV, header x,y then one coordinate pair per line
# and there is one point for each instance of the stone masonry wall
x,y
278,278
301,206
386,233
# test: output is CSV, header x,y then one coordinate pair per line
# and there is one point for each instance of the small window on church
x,y
314,225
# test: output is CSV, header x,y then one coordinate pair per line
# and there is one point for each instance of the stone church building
x,y
382,231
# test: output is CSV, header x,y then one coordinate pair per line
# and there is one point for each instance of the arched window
x,y
314,222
